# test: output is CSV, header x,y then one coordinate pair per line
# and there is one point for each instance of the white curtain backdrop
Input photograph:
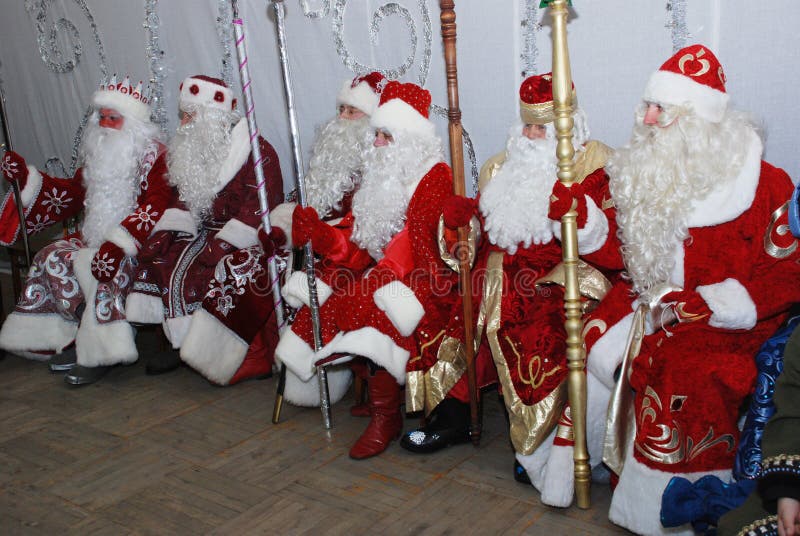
x,y
54,53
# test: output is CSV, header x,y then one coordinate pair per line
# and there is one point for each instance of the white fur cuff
x,y
238,234
144,308
296,354
122,238
606,354
595,232
731,305
32,187
212,349
175,219
400,305
281,217
296,292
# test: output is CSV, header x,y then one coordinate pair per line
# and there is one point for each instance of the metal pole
x,y
23,229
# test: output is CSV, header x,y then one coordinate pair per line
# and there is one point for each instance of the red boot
x,y
386,421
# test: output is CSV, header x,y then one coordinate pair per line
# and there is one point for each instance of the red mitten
x,y
458,210
561,202
14,169
688,305
272,241
306,225
213,251
106,261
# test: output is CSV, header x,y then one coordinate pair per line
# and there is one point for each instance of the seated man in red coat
x,y
392,224
76,288
214,213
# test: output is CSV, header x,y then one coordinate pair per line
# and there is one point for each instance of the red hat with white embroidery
x,y
202,90
693,75
363,92
404,108
126,99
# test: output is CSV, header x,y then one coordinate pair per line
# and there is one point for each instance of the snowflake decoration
x,y
145,217
104,265
55,201
38,224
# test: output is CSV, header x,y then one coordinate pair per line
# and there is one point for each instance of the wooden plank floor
x,y
172,454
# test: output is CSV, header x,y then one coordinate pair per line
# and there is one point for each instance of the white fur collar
x,y
240,150
728,202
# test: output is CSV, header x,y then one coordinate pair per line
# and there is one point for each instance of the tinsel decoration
x,y
155,55
320,13
473,161
676,22
225,34
530,51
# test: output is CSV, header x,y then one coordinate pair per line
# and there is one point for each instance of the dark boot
x,y
361,373
449,426
386,421
162,362
80,375
64,361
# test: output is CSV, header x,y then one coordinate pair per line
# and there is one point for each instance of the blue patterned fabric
x,y
794,212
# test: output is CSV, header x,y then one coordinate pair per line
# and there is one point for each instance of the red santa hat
x,y
404,108
693,75
121,96
202,90
363,92
536,105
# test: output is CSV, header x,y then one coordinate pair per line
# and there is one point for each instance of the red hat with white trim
x,y
202,90
693,75
404,108
121,96
363,92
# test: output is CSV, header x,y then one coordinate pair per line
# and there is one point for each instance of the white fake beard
x,y
516,200
195,157
335,164
111,160
391,174
655,179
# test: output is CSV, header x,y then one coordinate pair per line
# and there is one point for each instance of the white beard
x,y
655,179
111,160
391,174
335,166
195,157
516,201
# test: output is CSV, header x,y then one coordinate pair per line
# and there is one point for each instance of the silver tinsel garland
x,y
529,27
155,55
676,22
225,34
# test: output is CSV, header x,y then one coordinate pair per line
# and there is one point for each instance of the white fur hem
x,y
98,344
606,354
370,343
296,354
594,234
32,332
400,305
32,187
122,238
296,292
176,328
237,157
362,96
636,503
212,349
281,217
731,305
559,477
144,308
665,87
175,219
306,393
238,234
398,116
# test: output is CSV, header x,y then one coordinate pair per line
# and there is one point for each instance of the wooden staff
x,y
448,19
23,229
576,356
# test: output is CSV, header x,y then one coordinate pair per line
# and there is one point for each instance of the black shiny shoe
x,y
162,362
520,474
450,426
64,361
80,375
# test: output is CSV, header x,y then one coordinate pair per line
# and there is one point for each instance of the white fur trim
x,y
296,354
26,332
120,236
606,354
127,105
400,305
731,198
144,308
559,477
98,344
370,343
306,393
238,234
204,97
237,157
594,234
175,329
295,290
731,305
32,187
362,97
175,219
636,502
535,463
281,217
212,349
398,116
666,87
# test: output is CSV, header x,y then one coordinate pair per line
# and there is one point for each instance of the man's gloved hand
x,y
458,211
106,261
213,251
14,169
270,242
687,306
561,202
307,225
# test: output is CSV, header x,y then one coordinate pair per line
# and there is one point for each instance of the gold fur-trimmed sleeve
x,y
593,156
490,169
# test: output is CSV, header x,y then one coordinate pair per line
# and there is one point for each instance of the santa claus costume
x,y
214,213
122,189
701,214
393,221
